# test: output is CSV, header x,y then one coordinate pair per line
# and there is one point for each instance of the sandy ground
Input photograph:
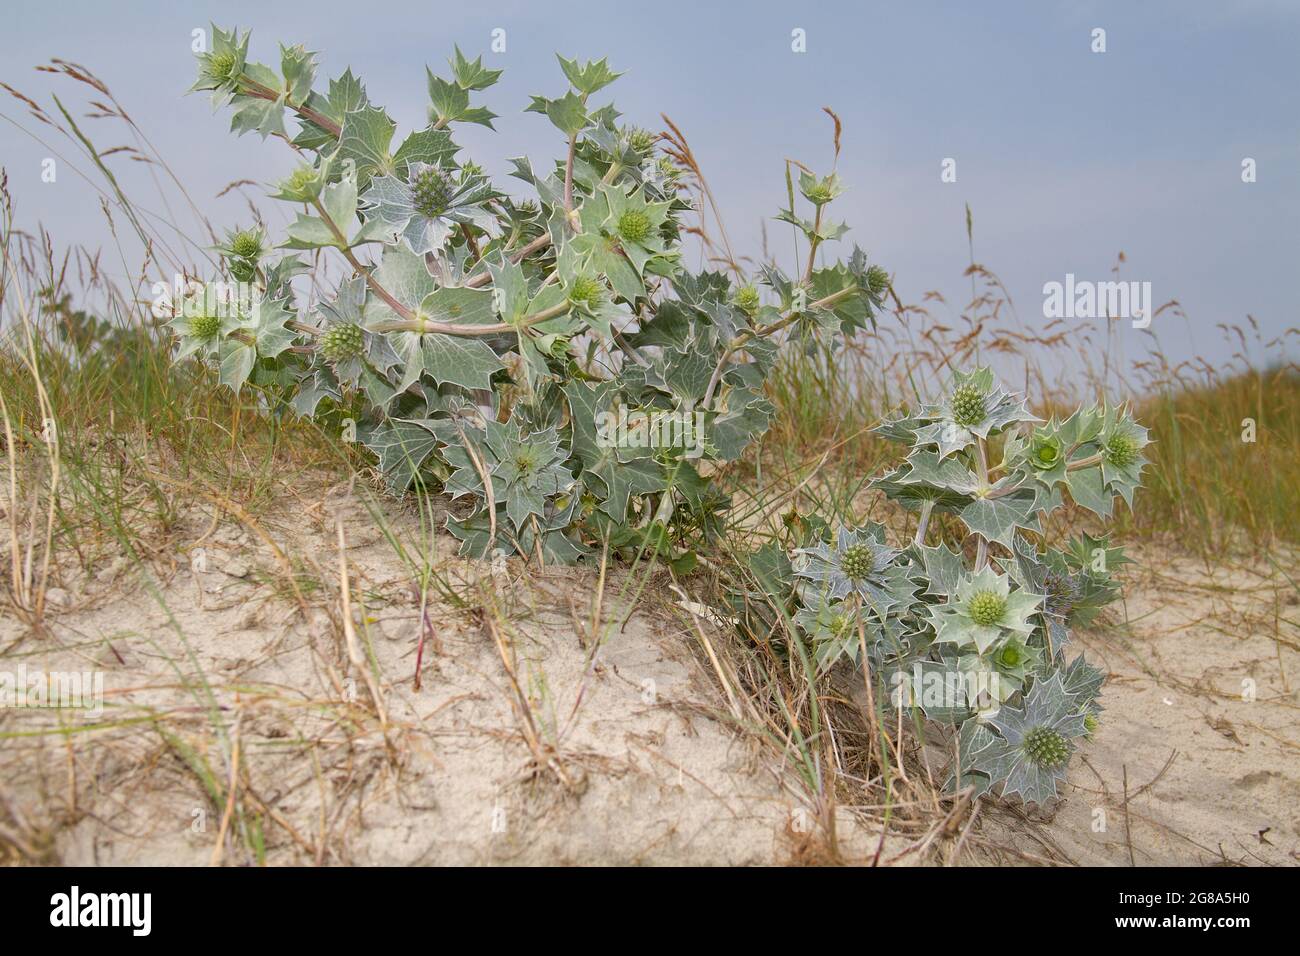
x,y
638,760
537,738
1197,759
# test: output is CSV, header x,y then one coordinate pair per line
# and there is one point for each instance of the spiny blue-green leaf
x,y
472,75
588,77
449,103
996,519
365,138
431,146
402,446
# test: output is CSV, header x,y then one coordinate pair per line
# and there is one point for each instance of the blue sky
x,y
1065,156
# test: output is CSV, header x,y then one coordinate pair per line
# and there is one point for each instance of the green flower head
x,y
205,327
430,191
987,608
1014,660
428,205
877,280
1046,748
746,299
1045,451
1121,443
223,65
642,140
246,244
1121,450
527,469
859,563
342,342
634,226
831,628
819,191
967,403
303,184
586,290
221,68
975,406
1031,749
202,319
984,611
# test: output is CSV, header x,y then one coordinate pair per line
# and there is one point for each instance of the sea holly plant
x,y
974,636
485,334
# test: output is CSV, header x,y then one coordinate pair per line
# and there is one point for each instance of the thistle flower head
x,y
642,140
205,327
303,184
1090,725
246,244
222,64
983,611
1121,450
431,192
1046,748
1010,656
877,280
1032,745
857,562
1061,591
987,608
342,342
634,226
300,178
746,299
819,191
586,291
967,403
1045,451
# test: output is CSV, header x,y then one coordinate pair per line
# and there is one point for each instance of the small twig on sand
x,y
350,633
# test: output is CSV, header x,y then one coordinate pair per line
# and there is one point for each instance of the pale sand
x,y
644,765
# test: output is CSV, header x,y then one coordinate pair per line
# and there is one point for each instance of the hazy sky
x,y
1065,156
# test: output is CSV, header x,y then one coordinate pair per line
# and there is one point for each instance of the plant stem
x,y
568,177
483,278
813,242
923,524
255,89
416,324
747,334
982,468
